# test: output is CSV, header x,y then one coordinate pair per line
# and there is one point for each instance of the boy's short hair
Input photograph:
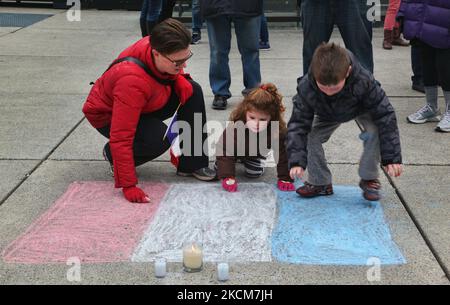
x,y
330,64
170,36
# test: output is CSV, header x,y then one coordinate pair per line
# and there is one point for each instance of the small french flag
x,y
174,140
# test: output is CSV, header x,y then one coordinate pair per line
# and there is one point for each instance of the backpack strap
x,y
143,66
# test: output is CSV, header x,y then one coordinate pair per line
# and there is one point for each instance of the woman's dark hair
x,y
170,36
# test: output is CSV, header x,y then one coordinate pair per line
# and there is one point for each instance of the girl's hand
x,y
285,186
394,170
230,184
297,172
135,194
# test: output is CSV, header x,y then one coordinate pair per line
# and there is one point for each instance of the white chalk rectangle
x,y
233,227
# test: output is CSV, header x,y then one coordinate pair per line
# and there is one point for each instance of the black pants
x,y
148,141
416,64
167,9
436,66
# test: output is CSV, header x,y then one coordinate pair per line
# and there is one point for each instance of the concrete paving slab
x,y
429,203
7,30
42,188
13,172
70,43
96,20
48,74
420,143
31,125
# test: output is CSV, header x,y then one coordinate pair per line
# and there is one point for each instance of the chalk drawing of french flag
x,y
174,140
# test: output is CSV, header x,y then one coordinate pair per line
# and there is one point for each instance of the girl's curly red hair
x,y
265,98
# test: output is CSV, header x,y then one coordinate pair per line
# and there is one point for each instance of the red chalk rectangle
x,y
91,221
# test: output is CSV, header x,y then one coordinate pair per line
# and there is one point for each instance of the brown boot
x,y
397,39
387,42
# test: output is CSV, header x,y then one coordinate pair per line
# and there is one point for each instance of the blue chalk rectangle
x,y
341,229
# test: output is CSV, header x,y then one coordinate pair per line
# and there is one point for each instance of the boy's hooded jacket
x,y
361,94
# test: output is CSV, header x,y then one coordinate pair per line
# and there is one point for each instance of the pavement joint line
x,y
40,163
414,220
419,227
21,28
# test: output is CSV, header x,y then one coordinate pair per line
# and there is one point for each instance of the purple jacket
x,y
427,20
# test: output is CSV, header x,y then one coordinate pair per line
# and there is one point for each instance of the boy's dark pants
x,y
318,171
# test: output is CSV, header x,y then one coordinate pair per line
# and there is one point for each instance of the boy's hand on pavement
x,y
394,170
135,194
296,172
230,184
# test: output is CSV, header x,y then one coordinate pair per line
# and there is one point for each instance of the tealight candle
x,y
192,257
223,272
160,267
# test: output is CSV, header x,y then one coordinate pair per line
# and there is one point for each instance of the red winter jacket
x,y
120,96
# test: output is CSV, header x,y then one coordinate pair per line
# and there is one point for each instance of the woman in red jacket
x,y
130,101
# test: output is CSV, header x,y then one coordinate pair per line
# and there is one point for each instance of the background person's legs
x,y
219,34
350,23
317,22
247,36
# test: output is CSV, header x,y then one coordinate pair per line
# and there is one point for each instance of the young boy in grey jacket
x,y
338,89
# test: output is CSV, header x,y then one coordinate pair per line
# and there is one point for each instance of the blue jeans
x,y
247,35
197,22
151,9
264,32
319,18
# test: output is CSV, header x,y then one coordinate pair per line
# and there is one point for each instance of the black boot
x,y
143,28
150,25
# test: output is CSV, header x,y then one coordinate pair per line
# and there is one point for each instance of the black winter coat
x,y
235,8
361,94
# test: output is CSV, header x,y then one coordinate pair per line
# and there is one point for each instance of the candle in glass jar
x,y
192,257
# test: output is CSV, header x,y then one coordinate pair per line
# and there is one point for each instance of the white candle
x,y
160,267
223,272
192,257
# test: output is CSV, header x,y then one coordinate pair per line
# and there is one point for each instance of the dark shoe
x,y
308,190
246,92
143,27
418,86
109,160
219,103
196,37
264,45
387,41
203,174
397,39
371,189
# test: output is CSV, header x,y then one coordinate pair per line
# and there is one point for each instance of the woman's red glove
x,y
230,184
135,194
285,186
183,88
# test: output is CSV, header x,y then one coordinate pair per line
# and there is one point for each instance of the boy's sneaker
x,y
203,174
444,124
424,114
264,45
196,37
111,166
308,190
371,189
219,102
